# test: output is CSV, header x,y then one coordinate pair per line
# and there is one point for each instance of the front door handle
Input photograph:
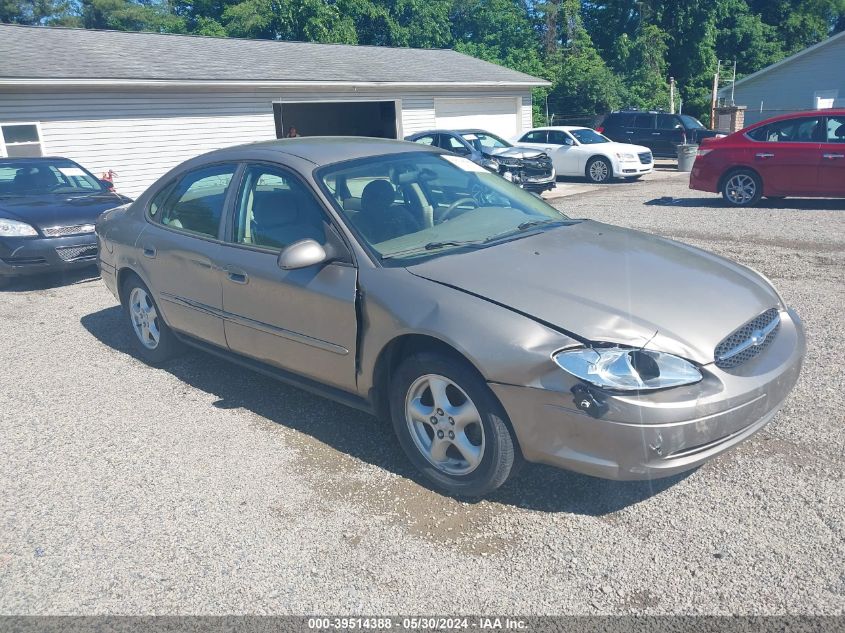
x,y
236,275
149,251
834,156
655,133
765,155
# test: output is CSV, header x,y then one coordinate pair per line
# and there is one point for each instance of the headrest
x,y
274,208
377,195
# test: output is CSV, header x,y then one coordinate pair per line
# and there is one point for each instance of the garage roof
x,y
35,54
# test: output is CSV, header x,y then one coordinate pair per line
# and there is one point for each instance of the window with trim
x,y
537,136
195,202
800,130
20,140
836,129
274,210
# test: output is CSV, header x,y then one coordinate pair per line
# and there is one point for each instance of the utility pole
x,y
715,96
671,95
733,86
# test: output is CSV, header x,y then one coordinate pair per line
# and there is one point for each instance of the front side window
x,y
668,122
589,137
274,210
419,204
38,177
801,130
452,144
836,129
195,202
691,122
485,142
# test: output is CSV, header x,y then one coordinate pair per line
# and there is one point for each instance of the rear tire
x,y
742,188
151,338
451,426
599,170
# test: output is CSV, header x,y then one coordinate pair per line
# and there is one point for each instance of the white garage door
x,y
499,115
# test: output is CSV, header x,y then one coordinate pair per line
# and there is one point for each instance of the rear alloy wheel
x,y
599,170
451,426
742,188
152,339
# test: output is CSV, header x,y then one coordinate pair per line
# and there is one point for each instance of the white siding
x,y
142,133
794,85
527,113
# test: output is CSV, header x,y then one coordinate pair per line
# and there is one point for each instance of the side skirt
x,y
295,380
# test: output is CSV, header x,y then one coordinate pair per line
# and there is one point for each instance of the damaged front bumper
x,y
655,434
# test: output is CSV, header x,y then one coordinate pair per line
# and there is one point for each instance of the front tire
x,y
151,339
451,426
742,188
599,170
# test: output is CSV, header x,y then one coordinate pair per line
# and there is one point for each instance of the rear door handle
x,y
834,156
149,251
765,155
655,133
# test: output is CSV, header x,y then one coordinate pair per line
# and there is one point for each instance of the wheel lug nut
x,y
440,412
440,434
433,420
452,421
451,435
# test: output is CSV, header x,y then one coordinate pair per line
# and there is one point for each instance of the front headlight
x,y
626,157
13,228
490,163
625,369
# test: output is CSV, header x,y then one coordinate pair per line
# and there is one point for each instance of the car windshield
x,y
484,142
39,177
588,137
420,204
691,122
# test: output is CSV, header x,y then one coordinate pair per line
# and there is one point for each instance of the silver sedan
x,y
486,326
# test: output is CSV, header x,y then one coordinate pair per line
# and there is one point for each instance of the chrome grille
x,y
75,253
646,158
746,342
61,231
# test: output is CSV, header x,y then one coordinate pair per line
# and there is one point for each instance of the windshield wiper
x,y
525,226
431,246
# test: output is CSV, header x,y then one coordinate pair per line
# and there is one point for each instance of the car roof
x,y
784,117
321,150
565,128
32,159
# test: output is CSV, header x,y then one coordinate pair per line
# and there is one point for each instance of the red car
x,y
799,154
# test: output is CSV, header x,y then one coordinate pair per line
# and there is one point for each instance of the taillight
x,y
600,130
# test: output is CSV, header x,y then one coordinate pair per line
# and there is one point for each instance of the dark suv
x,y
659,131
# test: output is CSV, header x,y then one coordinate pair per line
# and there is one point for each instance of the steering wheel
x,y
445,215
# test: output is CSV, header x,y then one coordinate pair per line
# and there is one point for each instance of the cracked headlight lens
x,y
625,369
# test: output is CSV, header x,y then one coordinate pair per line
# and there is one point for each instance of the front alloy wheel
x,y
599,171
742,189
152,339
450,424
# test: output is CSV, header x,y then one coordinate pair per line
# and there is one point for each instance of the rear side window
x,y
453,145
619,120
195,202
836,129
537,136
425,140
644,121
801,130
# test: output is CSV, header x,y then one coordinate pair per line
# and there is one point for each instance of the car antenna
x,y
649,340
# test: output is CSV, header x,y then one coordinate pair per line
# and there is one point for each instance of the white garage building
x,y
139,103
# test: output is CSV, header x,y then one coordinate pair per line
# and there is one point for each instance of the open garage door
x,y
499,115
337,118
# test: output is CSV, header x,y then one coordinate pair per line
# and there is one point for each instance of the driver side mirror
x,y
302,254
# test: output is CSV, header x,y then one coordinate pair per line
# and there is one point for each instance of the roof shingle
x,y
79,54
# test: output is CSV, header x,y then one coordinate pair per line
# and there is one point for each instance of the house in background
x,y
809,80
140,103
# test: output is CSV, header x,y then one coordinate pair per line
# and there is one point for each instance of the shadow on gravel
x,y
791,204
51,280
361,436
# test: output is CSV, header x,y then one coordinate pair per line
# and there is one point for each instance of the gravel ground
x,y
204,488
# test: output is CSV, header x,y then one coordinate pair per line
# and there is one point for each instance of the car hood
x,y
59,209
606,284
515,152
